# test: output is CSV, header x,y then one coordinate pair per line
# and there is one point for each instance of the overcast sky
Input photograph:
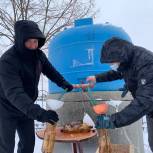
x,y
134,16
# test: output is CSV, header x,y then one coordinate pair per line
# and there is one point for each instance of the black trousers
x,y
150,131
25,130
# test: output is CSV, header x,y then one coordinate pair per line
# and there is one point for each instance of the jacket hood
x,y
116,50
25,29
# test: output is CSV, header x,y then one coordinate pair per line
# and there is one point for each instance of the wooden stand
x,y
49,138
106,147
104,141
75,139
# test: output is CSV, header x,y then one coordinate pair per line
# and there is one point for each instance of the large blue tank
x,y
75,53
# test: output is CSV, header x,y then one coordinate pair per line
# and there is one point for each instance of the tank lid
x,y
82,22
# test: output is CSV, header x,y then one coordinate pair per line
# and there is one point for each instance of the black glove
x,y
67,86
49,116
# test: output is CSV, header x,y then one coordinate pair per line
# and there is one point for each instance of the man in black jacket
x,y
20,69
135,65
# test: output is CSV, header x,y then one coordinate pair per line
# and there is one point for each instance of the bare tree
x,y
51,15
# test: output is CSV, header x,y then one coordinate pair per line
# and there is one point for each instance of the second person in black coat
x,y
134,64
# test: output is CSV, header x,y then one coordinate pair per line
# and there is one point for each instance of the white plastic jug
x,y
88,120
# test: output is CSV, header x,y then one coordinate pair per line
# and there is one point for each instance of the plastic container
x,y
75,53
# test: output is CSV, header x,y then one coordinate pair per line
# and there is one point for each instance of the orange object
x,y
101,108
68,137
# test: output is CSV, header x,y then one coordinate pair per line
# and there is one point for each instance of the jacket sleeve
x,y
52,73
12,86
108,76
142,103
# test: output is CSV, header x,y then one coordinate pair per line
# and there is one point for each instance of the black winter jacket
x,y
20,69
136,68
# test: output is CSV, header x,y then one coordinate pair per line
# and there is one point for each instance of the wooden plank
x,y
49,138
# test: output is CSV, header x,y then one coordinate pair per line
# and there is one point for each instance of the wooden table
x,y
75,138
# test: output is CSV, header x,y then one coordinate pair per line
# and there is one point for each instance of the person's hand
x,y
82,86
67,87
91,80
104,122
49,116
76,86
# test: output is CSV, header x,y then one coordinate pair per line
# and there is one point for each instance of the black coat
x,y
20,69
136,68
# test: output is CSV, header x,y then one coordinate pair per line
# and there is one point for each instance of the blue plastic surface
x,y
75,53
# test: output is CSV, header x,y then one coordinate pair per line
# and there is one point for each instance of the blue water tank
x,y
75,53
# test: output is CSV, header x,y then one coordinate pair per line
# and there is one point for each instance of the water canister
x,y
75,53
